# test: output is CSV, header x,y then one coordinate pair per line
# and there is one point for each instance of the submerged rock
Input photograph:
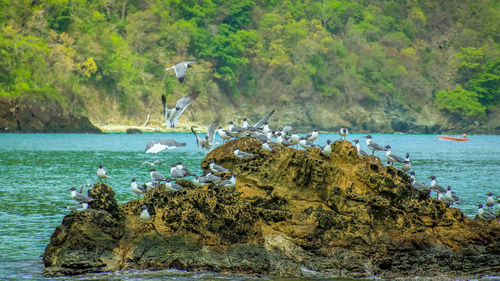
x,y
292,212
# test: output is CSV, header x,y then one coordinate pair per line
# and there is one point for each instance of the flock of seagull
x,y
270,139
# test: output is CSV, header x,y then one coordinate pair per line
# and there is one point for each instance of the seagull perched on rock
x,y
79,197
391,157
327,149
361,152
145,213
436,187
266,146
216,168
406,163
306,144
485,215
235,131
172,185
172,115
417,184
78,207
343,132
242,154
373,146
228,183
312,136
490,202
180,69
159,145
224,134
137,189
101,173
156,176
449,198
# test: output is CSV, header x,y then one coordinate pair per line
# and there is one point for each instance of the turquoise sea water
x,y
37,170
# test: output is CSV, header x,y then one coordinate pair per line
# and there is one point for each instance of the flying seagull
x,y
180,69
159,145
264,120
205,144
172,115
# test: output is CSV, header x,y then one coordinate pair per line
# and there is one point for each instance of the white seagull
x,y
216,168
145,213
485,215
343,132
137,189
172,115
78,207
180,69
101,173
79,197
228,183
406,163
391,157
242,154
361,152
373,145
159,145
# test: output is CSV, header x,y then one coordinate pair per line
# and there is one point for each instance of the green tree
x,y
462,103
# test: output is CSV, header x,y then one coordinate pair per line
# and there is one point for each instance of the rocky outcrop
x,y
291,211
40,115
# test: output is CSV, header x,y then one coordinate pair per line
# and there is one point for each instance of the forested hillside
x,y
378,66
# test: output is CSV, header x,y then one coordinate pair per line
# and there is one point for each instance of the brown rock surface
x,y
290,210
26,114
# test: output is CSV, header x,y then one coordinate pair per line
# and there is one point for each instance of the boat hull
x,y
453,138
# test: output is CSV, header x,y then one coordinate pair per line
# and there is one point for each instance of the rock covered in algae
x,y
290,212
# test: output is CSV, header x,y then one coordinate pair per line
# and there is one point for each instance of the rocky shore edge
x,y
290,212
26,114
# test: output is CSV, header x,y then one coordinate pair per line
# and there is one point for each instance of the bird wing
x,y
184,102
180,69
397,158
82,198
212,128
261,122
245,154
154,147
376,146
170,143
198,141
166,111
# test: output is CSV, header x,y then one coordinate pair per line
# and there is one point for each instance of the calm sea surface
x,y
37,170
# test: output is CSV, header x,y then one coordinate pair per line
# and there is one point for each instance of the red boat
x,y
463,138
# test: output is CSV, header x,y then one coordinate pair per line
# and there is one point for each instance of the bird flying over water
x,y
180,69
158,146
172,114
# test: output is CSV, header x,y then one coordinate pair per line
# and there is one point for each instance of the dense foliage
x,y
331,52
